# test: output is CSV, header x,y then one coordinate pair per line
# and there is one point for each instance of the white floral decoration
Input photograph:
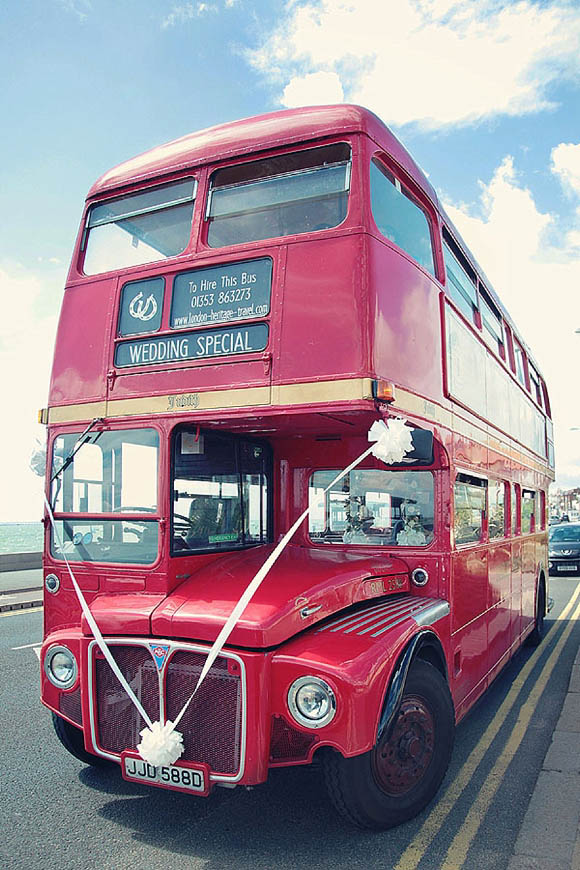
x,y
161,744
393,440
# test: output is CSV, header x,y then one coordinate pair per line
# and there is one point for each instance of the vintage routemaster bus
x,y
242,305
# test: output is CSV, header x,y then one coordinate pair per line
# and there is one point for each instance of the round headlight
x,y
52,583
420,577
311,702
60,666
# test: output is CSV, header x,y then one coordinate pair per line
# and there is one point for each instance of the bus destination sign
x,y
219,294
192,345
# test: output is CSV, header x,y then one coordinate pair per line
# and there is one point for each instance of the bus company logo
x,y
189,400
143,310
159,651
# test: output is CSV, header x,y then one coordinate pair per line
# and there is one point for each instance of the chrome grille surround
x,y
141,649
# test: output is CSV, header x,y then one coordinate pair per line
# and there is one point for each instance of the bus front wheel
x,y
538,633
73,741
400,775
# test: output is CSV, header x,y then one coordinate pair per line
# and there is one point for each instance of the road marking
x,y
28,645
22,611
462,841
415,851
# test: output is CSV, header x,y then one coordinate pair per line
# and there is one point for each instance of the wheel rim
x,y
402,761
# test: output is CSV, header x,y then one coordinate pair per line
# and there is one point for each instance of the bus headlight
x,y
311,702
60,666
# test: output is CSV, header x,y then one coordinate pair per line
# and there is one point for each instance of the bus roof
x,y
272,130
252,135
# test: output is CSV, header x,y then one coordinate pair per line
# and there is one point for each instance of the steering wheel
x,y
183,526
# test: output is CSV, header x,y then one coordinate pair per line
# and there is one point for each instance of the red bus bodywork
x,y
350,312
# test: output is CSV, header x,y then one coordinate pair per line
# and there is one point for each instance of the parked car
x,y
564,548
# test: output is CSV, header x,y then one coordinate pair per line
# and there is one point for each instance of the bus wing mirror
x,y
422,452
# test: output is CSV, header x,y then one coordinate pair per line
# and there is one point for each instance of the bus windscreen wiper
x,y
80,443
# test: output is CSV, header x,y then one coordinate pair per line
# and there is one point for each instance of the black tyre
x,y
398,777
73,741
539,628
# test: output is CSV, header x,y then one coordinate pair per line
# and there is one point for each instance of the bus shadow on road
x,y
273,825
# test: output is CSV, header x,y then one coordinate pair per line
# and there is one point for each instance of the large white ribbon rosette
x,y
162,744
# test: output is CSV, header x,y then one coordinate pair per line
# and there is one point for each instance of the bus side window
x,y
497,515
515,512
399,217
460,281
543,510
528,511
469,508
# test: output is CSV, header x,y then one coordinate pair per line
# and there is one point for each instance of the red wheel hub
x,y
401,762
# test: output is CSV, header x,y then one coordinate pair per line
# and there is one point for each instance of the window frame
x,y
492,482
142,191
235,439
470,479
253,160
467,303
314,541
390,173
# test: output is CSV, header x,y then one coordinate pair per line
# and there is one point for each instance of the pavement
x,y
549,838
20,589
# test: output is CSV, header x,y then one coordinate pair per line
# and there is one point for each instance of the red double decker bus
x,y
242,305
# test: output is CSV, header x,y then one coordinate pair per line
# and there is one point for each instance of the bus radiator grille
x,y
118,722
287,743
69,704
212,724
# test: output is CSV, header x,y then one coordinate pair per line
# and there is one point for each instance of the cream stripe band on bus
x,y
254,300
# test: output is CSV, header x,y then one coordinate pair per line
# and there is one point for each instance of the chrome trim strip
x,y
433,613
173,648
403,612
387,613
350,618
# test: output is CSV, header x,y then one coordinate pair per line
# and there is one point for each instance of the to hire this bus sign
x,y
219,294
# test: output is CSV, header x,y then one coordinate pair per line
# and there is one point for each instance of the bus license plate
x,y
179,777
567,567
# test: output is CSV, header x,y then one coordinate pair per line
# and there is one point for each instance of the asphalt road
x,y
57,813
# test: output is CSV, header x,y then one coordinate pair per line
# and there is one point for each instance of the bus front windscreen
x,y
104,473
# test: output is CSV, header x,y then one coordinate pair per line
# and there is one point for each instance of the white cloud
x,y
434,62
187,12
27,329
80,8
320,87
538,283
566,165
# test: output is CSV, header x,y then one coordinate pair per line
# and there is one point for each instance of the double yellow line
x,y
461,843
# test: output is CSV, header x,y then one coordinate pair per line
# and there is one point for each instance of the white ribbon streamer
x,y
381,435
162,744
93,625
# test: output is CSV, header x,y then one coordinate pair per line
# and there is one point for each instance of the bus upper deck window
x,y
291,193
142,227
399,218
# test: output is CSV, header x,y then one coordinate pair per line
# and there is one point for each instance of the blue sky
x,y
485,95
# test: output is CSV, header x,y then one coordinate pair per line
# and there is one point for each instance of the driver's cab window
x,y
220,489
